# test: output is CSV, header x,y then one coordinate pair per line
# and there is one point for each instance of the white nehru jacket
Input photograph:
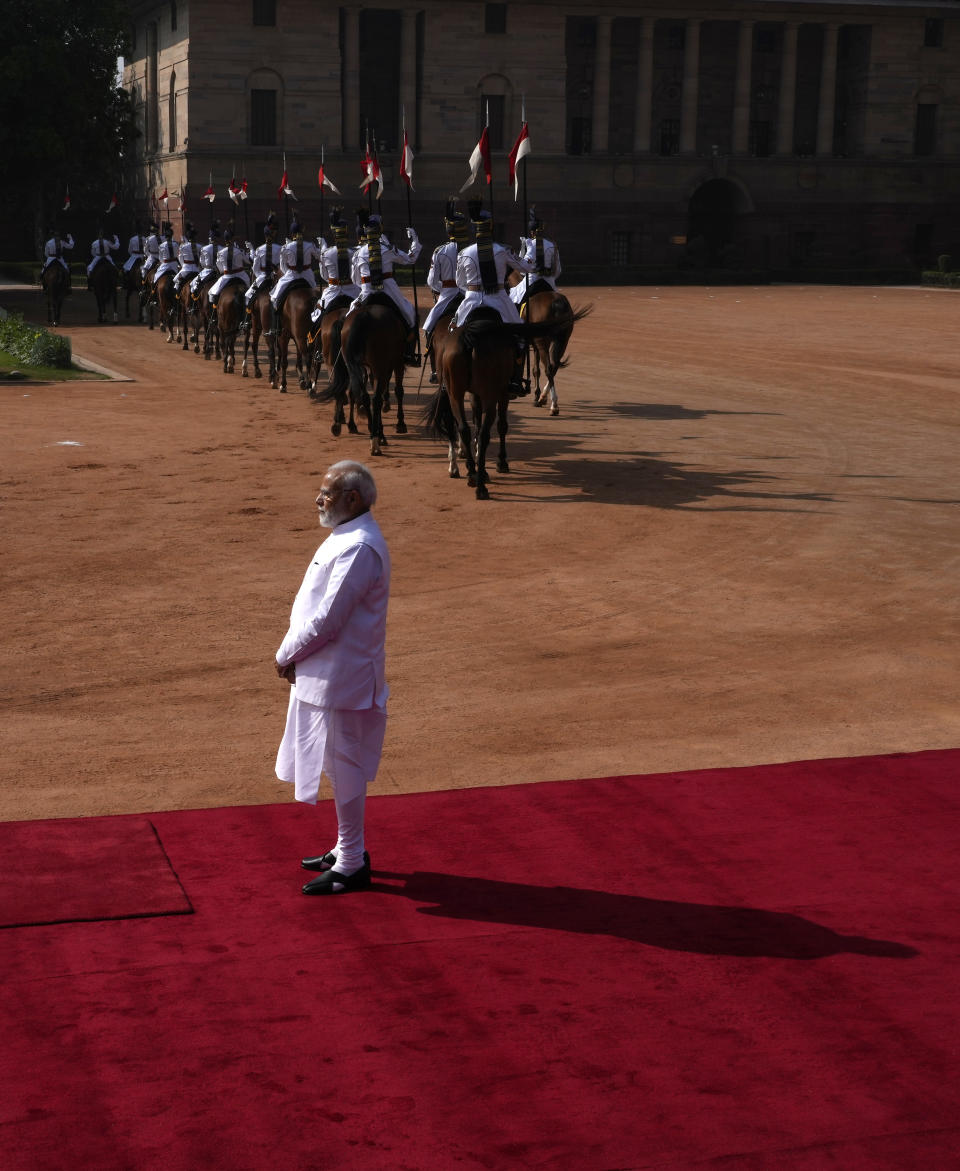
x,y
338,624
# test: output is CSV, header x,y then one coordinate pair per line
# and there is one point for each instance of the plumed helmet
x,y
189,231
153,226
454,220
296,228
168,229
214,233
362,217
270,227
534,223
375,224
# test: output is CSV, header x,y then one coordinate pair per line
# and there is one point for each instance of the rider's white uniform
x,y
208,265
168,259
259,267
153,254
100,249
442,278
470,280
389,256
551,263
231,263
297,258
54,248
330,271
135,251
188,256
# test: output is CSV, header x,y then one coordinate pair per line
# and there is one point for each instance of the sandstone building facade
x,y
785,135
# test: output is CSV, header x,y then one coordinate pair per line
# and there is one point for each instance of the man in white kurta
x,y
333,654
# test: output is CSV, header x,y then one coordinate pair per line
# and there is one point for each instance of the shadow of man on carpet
x,y
673,926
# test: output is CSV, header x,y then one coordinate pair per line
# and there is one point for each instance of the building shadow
x,y
671,926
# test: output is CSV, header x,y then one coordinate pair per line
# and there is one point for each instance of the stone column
x,y
691,89
787,105
350,122
828,91
644,107
408,74
600,139
741,93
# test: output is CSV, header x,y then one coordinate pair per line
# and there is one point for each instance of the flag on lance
x,y
521,148
323,180
210,195
480,156
285,188
371,170
113,202
406,162
243,189
164,198
234,191
66,199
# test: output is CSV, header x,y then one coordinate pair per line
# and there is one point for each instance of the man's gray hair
x,y
353,476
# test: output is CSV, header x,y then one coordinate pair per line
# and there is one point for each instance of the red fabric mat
x,y
745,967
85,869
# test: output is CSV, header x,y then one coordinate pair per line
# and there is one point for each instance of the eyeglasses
x,y
323,494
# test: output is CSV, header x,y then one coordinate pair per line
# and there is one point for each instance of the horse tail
x,y
562,313
437,416
340,382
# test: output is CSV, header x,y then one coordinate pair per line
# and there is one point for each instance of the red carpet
x,y
750,968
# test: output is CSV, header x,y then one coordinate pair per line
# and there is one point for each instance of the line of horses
x,y
362,354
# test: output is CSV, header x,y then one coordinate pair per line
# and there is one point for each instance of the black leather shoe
x,y
332,882
327,861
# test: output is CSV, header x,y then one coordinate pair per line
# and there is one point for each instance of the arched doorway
x,y
715,208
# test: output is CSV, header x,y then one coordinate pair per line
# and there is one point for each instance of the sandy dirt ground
x,y
738,543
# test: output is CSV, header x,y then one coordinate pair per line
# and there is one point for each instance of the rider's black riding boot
x,y
411,357
247,320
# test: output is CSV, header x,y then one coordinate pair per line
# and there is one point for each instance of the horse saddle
x,y
384,299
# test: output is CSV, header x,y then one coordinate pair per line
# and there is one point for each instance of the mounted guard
x,y
442,277
373,265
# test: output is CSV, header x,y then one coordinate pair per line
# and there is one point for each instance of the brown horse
x,y
327,350
133,286
293,324
55,281
103,284
259,318
544,304
478,360
167,305
230,313
208,320
187,310
373,341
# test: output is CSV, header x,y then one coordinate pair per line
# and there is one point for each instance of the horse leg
x,y
282,344
502,465
483,441
401,427
375,419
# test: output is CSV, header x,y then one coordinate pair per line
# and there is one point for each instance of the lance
x,y
369,162
286,198
413,270
322,219
246,216
376,169
210,201
493,220
526,228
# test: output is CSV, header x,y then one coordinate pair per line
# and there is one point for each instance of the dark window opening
x,y
265,13
580,44
494,18
620,249
492,107
263,117
173,16
670,136
380,30
925,134
933,34
760,139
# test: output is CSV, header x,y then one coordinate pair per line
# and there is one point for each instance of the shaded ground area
x,y
738,543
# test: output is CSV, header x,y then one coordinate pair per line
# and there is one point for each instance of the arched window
x,y
265,107
172,113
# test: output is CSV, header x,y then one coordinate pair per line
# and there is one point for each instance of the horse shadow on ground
x,y
671,926
647,480
665,412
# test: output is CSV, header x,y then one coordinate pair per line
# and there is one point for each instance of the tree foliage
x,y
66,120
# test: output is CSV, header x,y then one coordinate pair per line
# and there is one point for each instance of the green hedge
x,y
33,346
945,280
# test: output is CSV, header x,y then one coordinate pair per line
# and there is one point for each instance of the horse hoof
x,y
539,402
257,374
401,428
353,429
335,429
471,480
243,372
503,466
482,493
455,474
554,410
